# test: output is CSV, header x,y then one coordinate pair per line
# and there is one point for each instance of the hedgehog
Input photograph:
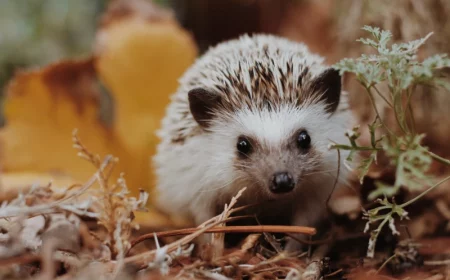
x,y
258,111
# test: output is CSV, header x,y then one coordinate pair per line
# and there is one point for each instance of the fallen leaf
x,y
42,108
140,52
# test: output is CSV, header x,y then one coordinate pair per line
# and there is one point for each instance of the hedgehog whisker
x,y
245,155
241,165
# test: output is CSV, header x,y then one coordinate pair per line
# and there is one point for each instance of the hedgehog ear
x,y
202,103
329,85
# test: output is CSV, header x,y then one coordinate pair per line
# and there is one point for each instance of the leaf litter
x,y
50,234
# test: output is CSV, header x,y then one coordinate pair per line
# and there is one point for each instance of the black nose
x,y
282,182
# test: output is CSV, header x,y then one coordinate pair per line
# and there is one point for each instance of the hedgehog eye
x,y
243,146
303,140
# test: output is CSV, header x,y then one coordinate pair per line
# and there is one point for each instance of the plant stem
x,y
439,158
371,251
383,97
372,100
424,193
381,208
357,148
409,108
398,113
386,262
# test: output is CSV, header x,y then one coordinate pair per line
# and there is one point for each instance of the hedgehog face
x,y
284,175
278,151
276,143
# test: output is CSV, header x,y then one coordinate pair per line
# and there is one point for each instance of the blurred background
x,y
38,32
35,33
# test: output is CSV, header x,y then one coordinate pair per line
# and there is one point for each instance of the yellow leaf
x,y
140,53
42,108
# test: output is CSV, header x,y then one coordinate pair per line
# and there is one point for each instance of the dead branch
x,y
231,229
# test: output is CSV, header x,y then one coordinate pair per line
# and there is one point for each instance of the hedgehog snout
x,y
282,182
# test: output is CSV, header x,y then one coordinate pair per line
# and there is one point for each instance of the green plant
x,y
397,67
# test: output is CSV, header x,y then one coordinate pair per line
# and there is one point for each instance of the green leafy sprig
x,y
396,66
